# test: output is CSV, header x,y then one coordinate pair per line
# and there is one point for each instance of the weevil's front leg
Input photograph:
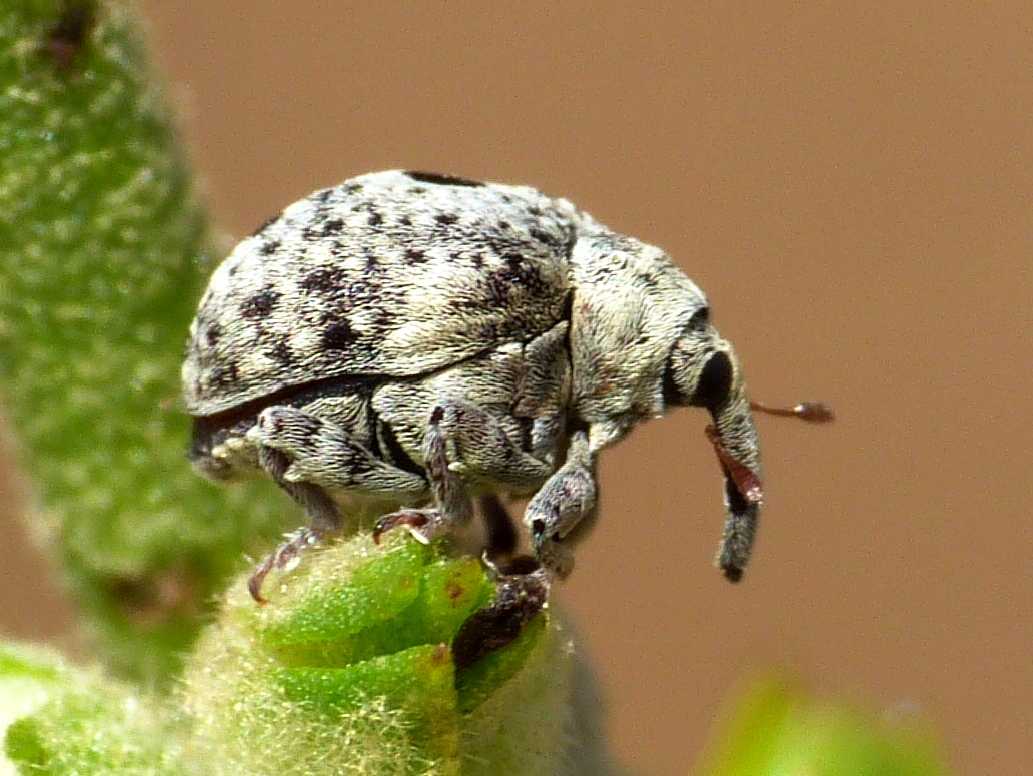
x,y
566,499
462,442
522,586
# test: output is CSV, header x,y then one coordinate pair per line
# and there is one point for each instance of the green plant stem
x,y
346,670
103,253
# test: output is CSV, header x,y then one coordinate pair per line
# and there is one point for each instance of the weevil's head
x,y
703,371
642,342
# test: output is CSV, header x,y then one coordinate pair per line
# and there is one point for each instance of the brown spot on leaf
x,y
453,590
68,35
153,600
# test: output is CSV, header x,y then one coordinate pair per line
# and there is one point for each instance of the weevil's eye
x,y
715,381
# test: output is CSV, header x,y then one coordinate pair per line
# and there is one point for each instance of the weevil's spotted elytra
x,y
403,343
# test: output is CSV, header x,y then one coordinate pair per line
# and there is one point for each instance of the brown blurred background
x,y
854,190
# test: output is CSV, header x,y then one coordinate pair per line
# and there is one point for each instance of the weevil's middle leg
x,y
462,441
522,584
452,503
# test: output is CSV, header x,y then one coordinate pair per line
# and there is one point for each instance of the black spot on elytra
x,y
67,37
259,305
405,221
352,188
266,224
338,336
535,211
441,179
646,279
332,226
414,256
514,272
324,280
281,353
375,219
268,249
212,333
225,374
323,196
446,219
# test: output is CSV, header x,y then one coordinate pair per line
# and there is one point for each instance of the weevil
x,y
404,344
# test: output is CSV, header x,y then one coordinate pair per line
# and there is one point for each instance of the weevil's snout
x,y
713,380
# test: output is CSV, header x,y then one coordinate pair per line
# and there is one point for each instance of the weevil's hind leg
x,y
561,506
305,455
452,503
324,518
500,535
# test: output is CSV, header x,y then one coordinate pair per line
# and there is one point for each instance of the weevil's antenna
x,y
810,411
